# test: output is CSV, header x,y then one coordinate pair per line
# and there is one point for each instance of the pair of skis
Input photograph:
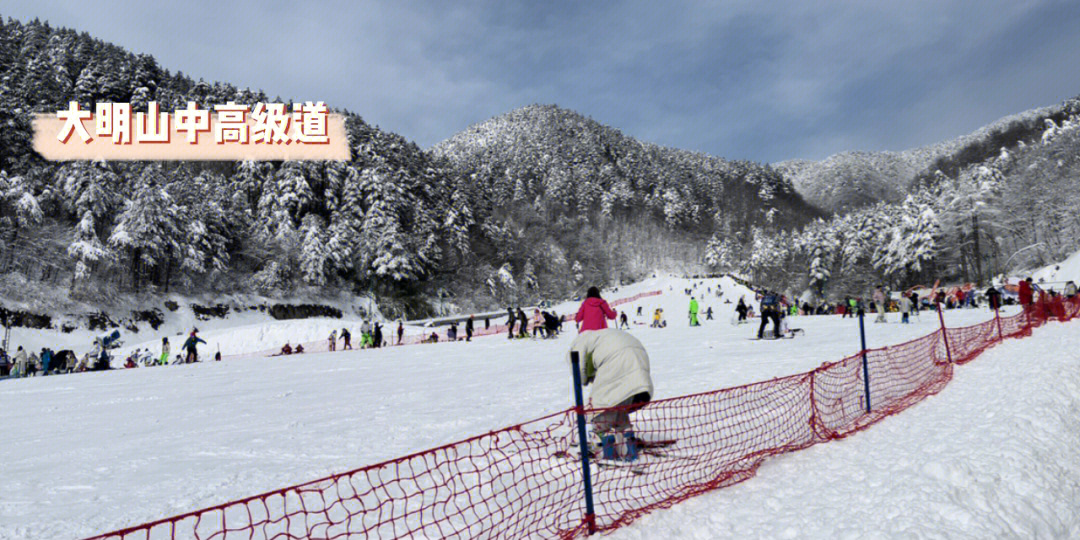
x,y
657,449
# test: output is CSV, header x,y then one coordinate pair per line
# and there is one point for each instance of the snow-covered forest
x,y
1012,210
475,224
533,204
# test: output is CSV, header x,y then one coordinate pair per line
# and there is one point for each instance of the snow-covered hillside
x,y
849,180
131,446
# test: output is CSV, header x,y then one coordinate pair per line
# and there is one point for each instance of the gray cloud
x,y
756,80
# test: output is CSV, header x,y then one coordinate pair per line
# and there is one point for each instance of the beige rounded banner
x,y
228,132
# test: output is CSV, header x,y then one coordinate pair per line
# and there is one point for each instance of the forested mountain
x,y
534,204
982,211
850,180
583,197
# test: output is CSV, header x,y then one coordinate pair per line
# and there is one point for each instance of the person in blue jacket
x,y
189,346
770,309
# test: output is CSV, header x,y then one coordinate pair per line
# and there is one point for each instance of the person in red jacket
x,y
1025,292
594,312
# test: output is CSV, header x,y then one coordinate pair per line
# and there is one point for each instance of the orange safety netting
x,y
526,480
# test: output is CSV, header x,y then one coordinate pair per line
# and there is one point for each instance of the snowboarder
x,y
469,329
165,349
192,341
617,366
346,337
594,312
333,340
770,311
694,312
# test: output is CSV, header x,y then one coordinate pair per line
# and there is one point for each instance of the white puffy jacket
x,y
621,363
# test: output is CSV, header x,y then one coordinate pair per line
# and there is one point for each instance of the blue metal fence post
x,y
590,514
865,364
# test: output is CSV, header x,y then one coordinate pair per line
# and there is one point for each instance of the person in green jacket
x,y
694,312
164,358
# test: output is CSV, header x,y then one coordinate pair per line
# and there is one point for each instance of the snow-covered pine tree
x,y
313,251
148,231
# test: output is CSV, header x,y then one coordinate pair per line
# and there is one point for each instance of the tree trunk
x,y
978,256
135,268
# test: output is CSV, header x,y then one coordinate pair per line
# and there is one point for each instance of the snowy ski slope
x,y
92,452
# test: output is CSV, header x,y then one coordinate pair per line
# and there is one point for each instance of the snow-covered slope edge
x,y
988,457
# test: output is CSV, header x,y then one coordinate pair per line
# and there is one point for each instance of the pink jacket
x,y
592,314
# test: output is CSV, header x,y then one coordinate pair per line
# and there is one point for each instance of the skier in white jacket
x,y
617,366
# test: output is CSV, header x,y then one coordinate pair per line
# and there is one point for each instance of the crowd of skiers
x,y
25,363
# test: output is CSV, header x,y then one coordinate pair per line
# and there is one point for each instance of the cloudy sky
x,y
765,81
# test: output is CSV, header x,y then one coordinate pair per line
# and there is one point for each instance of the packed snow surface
x,y
91,452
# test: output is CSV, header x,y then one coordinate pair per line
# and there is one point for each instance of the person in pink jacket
x,y
594,312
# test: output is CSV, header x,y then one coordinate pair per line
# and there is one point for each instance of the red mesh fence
x,y
526,480
390,336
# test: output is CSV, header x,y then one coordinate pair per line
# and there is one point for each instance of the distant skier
x,y
333,340
469,328
510,322
879,304
1026,294
523,323
741,309
165,351
376,336
400,331
190,346
694,312
551,324
770,310
708,314
617,366
623,323
365,335
594,312
905,308
993,296
346,339
451,333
